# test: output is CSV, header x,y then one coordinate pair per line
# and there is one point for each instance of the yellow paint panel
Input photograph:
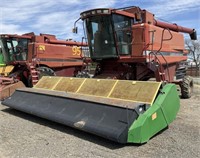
x,y
47,82
97,87
41,47
134,91
69,84
6,70
2,70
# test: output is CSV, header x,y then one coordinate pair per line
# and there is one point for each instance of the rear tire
x,y
45,71
186,87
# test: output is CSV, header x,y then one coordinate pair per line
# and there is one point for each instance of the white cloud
x,y
55,17
11,29
167,9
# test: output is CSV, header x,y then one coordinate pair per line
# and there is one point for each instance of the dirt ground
x,y
23,136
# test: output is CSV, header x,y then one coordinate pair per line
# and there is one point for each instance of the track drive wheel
x,y
186,87
45,71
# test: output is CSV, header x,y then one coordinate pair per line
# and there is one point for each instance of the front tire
x,y
45,71
187,87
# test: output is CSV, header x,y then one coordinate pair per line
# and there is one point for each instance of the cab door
x,y
123,34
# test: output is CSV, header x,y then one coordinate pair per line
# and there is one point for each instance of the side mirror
x,y
193,35
75,30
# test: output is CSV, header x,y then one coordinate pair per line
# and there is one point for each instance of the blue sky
x,y
57,16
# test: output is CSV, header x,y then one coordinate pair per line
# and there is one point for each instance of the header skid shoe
x,y
119,110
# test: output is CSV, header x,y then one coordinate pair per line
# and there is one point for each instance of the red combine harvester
x,y
130,44
28,57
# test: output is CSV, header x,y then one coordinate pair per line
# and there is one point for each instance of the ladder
x,y
156,65
34,73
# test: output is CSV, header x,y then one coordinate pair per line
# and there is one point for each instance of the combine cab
x,y
127,48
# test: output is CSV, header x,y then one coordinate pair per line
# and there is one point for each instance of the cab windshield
x,y
109,36
100,37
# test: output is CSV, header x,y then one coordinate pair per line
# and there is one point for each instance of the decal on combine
x,y
41,47
76,50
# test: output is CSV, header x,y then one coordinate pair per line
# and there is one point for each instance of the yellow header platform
x,y
134,91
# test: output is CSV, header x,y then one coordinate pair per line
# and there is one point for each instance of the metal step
x,y
34,71
34,76
35,81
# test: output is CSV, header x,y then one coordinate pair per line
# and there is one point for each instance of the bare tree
x,y
194,51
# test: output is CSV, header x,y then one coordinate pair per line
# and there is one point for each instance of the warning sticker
x,y
154,116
